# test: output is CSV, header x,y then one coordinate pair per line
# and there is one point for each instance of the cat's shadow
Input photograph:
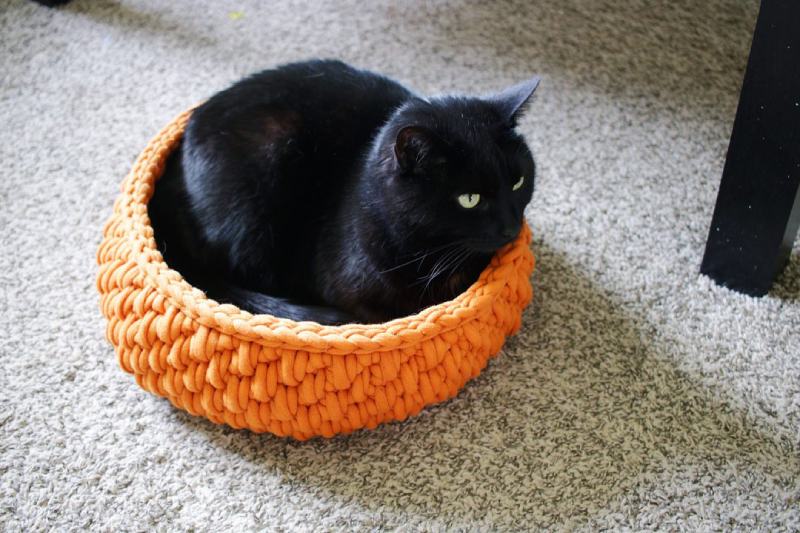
x,y
579,411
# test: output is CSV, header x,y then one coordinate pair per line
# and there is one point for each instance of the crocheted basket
x,y
266,373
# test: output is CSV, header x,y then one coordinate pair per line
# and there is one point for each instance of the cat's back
x,y
319,81
325,105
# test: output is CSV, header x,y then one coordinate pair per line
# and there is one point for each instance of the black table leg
x,y
758,207
51,3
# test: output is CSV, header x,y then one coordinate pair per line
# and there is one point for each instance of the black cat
x,y
316,191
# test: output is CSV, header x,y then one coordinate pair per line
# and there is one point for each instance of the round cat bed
x,y
265,373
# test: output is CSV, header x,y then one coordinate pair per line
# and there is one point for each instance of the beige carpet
x,y
638,395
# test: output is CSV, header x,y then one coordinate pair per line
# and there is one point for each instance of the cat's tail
x,y
257,302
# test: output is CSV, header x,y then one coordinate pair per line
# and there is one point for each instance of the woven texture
x,y
298,379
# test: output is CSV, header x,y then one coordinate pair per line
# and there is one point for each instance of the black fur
x,y
316,191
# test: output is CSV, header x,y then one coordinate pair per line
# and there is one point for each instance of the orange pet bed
x,y
266,373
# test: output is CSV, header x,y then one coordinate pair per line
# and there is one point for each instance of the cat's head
x,y
454,169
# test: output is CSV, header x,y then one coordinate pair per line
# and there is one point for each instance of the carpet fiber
x,y
637,395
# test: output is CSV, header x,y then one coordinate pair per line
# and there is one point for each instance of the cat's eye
x,y
468,201
518,184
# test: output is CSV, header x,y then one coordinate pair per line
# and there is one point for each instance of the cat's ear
x,y
413,147
511,102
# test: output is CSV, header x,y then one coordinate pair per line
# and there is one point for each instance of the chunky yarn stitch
x,y
265,373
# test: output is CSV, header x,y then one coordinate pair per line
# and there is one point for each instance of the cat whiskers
x,y
449,261
421,256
